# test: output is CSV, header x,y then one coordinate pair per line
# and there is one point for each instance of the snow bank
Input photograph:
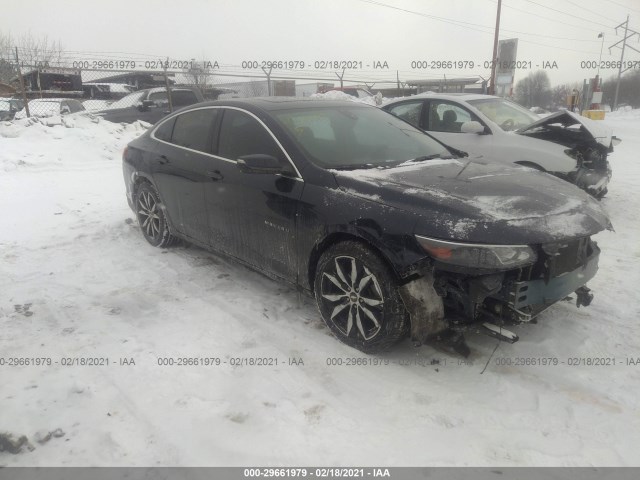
x,y
63,141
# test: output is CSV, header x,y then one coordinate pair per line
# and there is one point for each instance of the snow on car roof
x,y
457,96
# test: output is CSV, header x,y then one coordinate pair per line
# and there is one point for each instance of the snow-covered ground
x,y
77,280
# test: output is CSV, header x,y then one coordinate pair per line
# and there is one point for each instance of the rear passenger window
x,y
193,129
409,112
164,131
241,134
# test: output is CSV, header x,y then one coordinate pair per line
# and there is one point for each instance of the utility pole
x,y
24,93
166,85
624,45
494,59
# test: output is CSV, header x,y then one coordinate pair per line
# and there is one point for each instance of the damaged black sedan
x,y
393,232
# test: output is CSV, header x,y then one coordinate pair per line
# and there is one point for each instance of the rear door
x,y
252,216
182,161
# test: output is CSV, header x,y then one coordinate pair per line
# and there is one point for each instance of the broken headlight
x,y
477,255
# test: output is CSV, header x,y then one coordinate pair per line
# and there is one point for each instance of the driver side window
x,y
241,134
444,116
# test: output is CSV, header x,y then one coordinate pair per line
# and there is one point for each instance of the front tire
x,y
358,298
152,218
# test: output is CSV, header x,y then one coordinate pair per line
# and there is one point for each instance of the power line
x,y
591,11
581,27
624,6
569,14
457,23
465,25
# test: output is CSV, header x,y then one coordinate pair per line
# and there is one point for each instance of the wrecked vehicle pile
x,y
390,230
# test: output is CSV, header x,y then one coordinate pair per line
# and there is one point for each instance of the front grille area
x,y
562,257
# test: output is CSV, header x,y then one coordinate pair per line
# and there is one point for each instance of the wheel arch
x,y
338,237
138,178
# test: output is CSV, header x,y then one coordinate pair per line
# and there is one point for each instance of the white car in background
x,y
50,107
564,144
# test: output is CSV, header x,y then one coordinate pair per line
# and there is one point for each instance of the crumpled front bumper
x,y
541,293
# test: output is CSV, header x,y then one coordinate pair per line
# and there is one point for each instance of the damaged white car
x,y
564,144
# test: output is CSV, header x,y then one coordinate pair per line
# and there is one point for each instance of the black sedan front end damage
x,y
498,248
486,287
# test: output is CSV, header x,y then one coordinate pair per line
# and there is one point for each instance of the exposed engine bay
x,y
485,302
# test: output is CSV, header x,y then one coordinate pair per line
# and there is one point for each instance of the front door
x,y
252,216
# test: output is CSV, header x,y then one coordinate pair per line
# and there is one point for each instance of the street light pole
x,y
600,35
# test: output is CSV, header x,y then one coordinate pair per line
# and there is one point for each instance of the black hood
x,y
480,201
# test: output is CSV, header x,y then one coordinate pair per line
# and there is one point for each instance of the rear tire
x,y
358,297
152,218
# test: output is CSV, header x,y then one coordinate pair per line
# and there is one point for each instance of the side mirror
x,y
472,127
260,163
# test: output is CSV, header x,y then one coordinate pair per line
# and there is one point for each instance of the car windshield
x,y
508,115
356,137
130,100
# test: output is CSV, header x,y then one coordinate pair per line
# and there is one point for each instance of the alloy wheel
x,y
354,297
148,214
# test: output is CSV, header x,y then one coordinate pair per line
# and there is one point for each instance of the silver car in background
x,y
564,144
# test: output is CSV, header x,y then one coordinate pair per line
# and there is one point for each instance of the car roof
x,y
464,97
282,103
163,89
51,100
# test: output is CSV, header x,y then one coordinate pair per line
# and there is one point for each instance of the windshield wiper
x,y
424,158
355,166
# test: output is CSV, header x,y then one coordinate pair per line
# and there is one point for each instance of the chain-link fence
x,y
147,88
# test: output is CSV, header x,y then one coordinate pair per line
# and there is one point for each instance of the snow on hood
x,y
599,132
481,202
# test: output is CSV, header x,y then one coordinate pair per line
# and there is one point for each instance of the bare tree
x,y
629,89
534,90
200,74
32,52
7,67
560,93
256,88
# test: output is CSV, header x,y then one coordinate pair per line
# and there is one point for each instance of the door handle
x,y
215,175
164,160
